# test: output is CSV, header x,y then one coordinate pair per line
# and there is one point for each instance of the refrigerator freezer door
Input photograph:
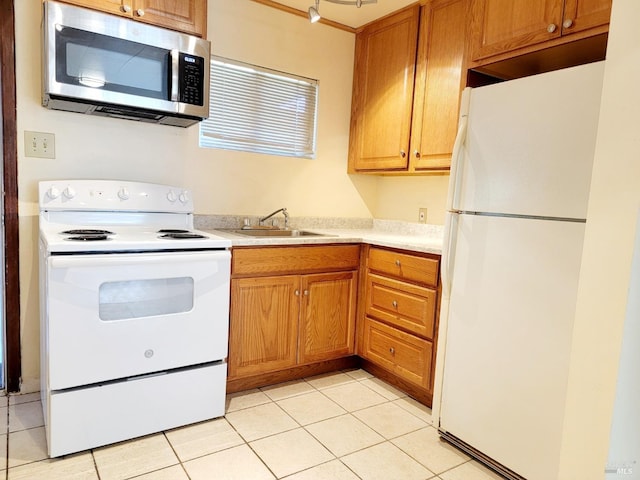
x,y
508,338
530,143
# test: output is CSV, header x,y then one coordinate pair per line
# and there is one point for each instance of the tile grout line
x,y
95,463
312,389
304,427
288,430
386,440
299,426
351,413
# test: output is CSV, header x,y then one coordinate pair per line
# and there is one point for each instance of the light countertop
x,y
385,233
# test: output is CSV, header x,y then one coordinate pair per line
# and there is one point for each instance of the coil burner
x,y
87,234
182,235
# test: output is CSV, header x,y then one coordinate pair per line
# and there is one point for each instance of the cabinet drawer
x,y
404,305
403,354
404,266
299,259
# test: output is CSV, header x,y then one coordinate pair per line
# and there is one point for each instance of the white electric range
x,y
134,312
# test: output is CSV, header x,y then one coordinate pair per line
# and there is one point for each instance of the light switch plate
x,y
39,144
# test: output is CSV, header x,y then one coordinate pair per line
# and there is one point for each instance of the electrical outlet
x,y
40,145
422,215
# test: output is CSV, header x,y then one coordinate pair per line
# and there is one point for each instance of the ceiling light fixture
x,y
357,3
314,14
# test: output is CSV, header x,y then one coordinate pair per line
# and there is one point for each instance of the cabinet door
x,y
327,321
503,25
383,93
584,14
439,82
263,324
118,7
188,16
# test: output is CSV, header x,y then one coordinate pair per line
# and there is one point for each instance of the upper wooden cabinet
x,y
406,89
189,16
184,15
501,26
117,7
383,92
439,80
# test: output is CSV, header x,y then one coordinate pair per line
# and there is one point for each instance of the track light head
x,y
314,13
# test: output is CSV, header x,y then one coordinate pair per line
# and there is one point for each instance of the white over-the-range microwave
x,y
100,64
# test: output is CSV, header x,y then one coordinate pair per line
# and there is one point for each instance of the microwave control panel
x,y
191,79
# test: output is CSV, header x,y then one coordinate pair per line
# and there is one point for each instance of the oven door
x,y
114,316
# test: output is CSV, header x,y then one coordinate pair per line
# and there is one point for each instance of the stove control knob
x,y
69,193
53,193
184,196
171,196
123,194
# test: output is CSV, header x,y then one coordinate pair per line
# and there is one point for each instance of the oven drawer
x,y
91,417
121,315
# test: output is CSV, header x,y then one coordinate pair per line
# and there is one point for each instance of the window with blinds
x,y
255,109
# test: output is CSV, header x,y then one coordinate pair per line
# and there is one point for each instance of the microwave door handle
x,y
175,69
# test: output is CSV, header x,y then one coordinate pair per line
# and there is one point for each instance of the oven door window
x,y
108,63
145,298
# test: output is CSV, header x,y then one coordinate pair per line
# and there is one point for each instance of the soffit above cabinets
x,y
349,15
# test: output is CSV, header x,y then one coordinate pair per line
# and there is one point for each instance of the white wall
x,y
223,182
607,256
399,198
624,444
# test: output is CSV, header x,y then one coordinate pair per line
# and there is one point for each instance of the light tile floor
x,y
341,426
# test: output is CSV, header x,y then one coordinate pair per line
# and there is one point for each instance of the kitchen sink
x,y
267,232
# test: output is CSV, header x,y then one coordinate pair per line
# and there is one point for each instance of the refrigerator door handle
x,y
448,246
456,171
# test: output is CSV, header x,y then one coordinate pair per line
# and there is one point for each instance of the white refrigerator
x,y
517,206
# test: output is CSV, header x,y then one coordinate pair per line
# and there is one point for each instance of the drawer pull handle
x,y
395,304
392,351
297,293
305,293
398,263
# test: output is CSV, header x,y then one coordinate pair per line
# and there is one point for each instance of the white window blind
x,y
255,109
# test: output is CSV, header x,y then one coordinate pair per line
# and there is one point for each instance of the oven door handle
x,y
79,261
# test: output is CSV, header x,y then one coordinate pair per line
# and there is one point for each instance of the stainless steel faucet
x,y
284,212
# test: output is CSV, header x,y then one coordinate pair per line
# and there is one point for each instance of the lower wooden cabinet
x,y
405,355
327,317
398,320
263,327
281,316
293,314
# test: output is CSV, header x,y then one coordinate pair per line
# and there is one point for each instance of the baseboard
x,y
295,373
